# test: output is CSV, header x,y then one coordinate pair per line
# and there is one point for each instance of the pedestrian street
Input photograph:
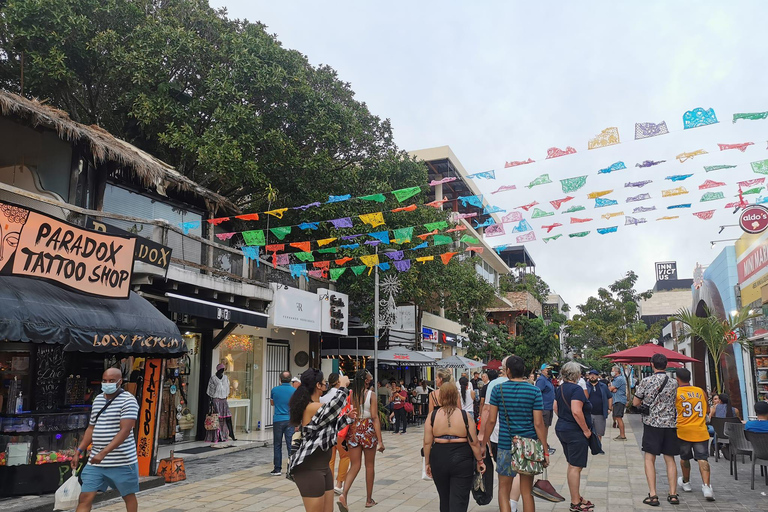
x,y
615,482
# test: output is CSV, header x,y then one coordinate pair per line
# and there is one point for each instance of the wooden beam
x,y
226,331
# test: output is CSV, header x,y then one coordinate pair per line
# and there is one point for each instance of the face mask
x,y
109,387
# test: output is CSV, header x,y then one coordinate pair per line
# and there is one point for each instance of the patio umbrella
x,y
643,354
460,362
404,357
493,364
670,364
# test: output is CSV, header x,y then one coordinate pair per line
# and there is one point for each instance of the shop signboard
x,y
41,246
146,251
752,265
334,311
147,423
754,219
666,271
295,309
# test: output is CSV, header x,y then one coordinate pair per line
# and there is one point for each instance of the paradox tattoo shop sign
x,y
47,248
148,415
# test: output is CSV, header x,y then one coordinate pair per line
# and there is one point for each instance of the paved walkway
x,y
615,482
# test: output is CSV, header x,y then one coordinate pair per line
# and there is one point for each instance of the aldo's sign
x,y
754,219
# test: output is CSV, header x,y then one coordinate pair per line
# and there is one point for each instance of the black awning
x,y
225,313
33,310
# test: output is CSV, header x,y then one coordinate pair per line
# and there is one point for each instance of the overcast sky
x,y
502,81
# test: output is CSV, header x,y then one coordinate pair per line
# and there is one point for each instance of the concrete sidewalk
x,y
615,482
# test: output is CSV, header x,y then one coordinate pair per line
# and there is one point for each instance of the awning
x,y
460,362
32,310
404,357
205,309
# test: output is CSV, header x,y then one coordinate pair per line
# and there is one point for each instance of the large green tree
x,y
220,99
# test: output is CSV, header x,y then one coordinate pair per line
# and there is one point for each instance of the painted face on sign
x,y
12,219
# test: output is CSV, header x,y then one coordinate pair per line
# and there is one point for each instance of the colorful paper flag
x,y
424,236
643,209
601,202
649,163
487,222
679,191
437,204
186,227
495,230
601,193
218,221
538,213
528,237
760,167
409,208
373,219
676,206
277,213
741,147
402,265
251,253
558,202
613,167
467,239
753,116
370,260
351,247
580,234
576,220
379,198
306,206
358,269
434,183
605,231
423,245
637,184
440,225
302,246
446,257
688,155
328,250
343,261
640,197
607,137
512,217
405,193
546,240
336,273
248,216
573,184
254,237
713,184
473,200
631,221
712,196
574,209
339,199
522,227
381,236
281,231
394,255
698,117
309,225
646,130
298,269
706,215
486,175
550,227
541,180
557,152
609,216
344,222
504,189
528,206
225,236
424,259
678,177
445,239
710,168
507,165
305,256
325,241
488,210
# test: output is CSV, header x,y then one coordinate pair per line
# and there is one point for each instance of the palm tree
x,y
715,333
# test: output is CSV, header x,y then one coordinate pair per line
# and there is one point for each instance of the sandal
x,y
579,507
652,500
342,506
370,504
586,503
673,499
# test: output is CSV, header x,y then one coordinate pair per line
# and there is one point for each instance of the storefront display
x,y
761,367
242,355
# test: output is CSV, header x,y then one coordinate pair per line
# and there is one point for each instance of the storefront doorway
x,y
277,361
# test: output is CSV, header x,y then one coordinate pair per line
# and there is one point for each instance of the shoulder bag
x,y
212,418
645,409
527,454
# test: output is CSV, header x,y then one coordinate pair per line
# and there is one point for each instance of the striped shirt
x,y
516,410
106,429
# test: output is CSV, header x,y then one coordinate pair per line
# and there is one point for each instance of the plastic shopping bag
x,y
424,475
68,494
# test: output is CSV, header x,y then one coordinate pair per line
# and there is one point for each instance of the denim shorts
x,y
123,478
504,463
697,451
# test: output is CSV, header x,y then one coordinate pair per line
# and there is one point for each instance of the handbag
x,y
408,406
211,419
344,432
187,420
645,410
482,483
527,454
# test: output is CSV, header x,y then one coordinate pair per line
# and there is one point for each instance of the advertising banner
x,y
295,309
147,422
666,271
37,245
752,265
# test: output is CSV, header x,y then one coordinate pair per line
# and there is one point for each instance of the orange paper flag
x,y
446,257
437,203
248,216
343,261
409,208
302,246
321,264
424,236
478,250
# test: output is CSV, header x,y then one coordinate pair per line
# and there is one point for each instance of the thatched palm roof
x,y
105,147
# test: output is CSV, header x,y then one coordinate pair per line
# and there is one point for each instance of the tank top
x,y
467,404
367,406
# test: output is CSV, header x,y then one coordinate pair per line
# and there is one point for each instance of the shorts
x,y
361,433
314,477
598,424
618,410
504,463
125,479
660,441
575,447
547,417
696,451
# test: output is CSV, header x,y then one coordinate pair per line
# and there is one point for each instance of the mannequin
x,y
218,390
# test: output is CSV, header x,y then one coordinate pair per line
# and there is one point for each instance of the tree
x,y
537,342
521,281
219,99
715,333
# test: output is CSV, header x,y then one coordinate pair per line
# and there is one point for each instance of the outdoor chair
x,y
422,407
739,446
721,440
759,443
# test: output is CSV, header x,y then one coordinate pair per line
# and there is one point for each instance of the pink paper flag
x,y
751,183
557,152
528,237
575,220
512,217
741,147
550,227
558,202
515,163
440,182
225,236
494,230
528,206
504,189
713,184
705,215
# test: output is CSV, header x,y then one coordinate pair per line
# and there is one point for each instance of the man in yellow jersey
x,y
692,432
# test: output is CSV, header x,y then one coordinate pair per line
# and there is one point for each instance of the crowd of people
x,y
497,419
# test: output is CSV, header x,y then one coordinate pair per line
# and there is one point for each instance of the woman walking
x,y
573,429
333,388
518,406
218,391
399,397
443,376
467,397
452,452
319,425
363,438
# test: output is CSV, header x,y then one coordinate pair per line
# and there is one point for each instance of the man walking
x,y
602,402
113,461
692,432
619,390
547,395
281,427
658,394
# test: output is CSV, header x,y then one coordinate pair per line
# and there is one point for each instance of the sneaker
x,y
686,486
619,438
276,472
708,492
552,451
339,490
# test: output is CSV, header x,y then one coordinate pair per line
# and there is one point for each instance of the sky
x,y
502,81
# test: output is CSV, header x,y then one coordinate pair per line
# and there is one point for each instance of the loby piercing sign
x,y
86,261
754,219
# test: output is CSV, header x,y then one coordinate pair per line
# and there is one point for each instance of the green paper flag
x,y
336,273
328,250
305,256
379,198
359,269
712,196
753,116
436,225
281,232
441,240
469,240
710,168
538,213
755,190
580,234
406,193
255,237
403,235
760,167
541,180
552,238
573,184
574,209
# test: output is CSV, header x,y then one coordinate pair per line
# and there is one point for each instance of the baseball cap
x,y
544,366
295,379
593,372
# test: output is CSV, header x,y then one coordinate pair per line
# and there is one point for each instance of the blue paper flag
x,y
188,226
488,175
298,269
421,246
488,222
381,236
501,248
350,246
686,205
613,167
604,231
384,266
601,202
473,200
678,177
339,199
251,253
493,209
521,227
309,225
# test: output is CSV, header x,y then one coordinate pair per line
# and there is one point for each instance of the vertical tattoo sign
x,y
148,415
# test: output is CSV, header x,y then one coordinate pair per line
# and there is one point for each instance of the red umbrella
x,y
670,364
643,354
493,364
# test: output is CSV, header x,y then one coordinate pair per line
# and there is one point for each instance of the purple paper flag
x,y
394,256
305,207
282,259
403,265
372,243
344,222
641,197
350,237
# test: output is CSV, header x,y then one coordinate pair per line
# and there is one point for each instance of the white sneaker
x,y
339,490
513,505
686,486
708,492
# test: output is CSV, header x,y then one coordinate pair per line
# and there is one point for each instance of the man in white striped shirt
x,y
113,461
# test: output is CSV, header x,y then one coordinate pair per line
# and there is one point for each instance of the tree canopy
x,y
219,99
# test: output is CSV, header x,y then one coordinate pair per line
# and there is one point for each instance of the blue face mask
x,y
109,387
